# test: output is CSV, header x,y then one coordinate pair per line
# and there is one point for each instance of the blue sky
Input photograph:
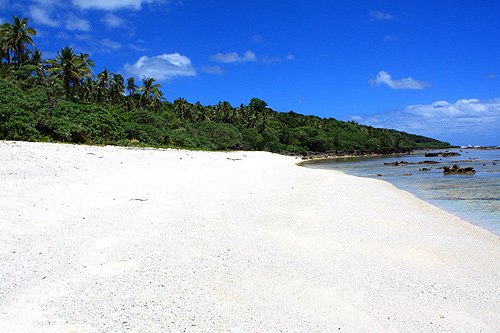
x,y
423,67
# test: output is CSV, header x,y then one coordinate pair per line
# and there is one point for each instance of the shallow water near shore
x,y
474,198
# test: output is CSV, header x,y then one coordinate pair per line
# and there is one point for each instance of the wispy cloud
x,y
113,21
86,37
409,83
490,76
162,67
108,45
463,122
137,47
268,60
257,38
212,70
41,16
111,4
75,23
378,15
234,57
65,35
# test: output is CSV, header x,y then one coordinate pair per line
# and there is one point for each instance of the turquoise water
x,y
474,198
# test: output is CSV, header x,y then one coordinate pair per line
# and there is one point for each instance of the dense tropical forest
x,y
62,99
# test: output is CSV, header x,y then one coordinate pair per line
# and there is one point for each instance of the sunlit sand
x,y
109,238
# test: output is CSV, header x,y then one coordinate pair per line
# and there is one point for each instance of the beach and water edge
x,y
474,197
112,239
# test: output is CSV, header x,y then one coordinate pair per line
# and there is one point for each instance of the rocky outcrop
x,y
311,155
455,170
398,163
441,154
407,163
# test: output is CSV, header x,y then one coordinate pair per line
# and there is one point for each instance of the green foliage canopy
x,y
61,99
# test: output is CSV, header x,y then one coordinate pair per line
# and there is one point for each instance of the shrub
x,y
221,135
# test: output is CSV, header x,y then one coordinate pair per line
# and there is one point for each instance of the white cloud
x,y
75,23
41,15
378,15
113,21
212,70
86,37
137,47
290,57
110,4
65,35
162,67
467,121
108,45
384,78
234,57
266,59
47,2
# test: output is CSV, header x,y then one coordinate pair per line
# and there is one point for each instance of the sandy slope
x,y
106,239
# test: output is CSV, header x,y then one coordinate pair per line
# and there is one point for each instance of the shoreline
x,y
476,218
110,238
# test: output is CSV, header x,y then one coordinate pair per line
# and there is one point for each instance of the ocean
x,y
474,198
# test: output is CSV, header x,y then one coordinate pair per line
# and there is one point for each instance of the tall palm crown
x,y
104,79
131,86
15,38
71,68
150,91
118,88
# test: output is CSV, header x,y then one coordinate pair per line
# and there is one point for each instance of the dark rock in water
x,y
407,174
424,169
455,170
428,162
397,163
379,175
446,154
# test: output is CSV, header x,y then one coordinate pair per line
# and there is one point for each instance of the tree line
x,y
62,99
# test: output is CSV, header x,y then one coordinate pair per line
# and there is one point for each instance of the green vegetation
x,y
61,99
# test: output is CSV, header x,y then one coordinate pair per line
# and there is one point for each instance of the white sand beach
x,y
110,239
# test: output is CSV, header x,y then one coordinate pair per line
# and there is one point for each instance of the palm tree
x,y
104,82
182,108
87,90
131,86
118,88
36,58
4,49
150,91
15,38
71,68
6,71
89,62
104,78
